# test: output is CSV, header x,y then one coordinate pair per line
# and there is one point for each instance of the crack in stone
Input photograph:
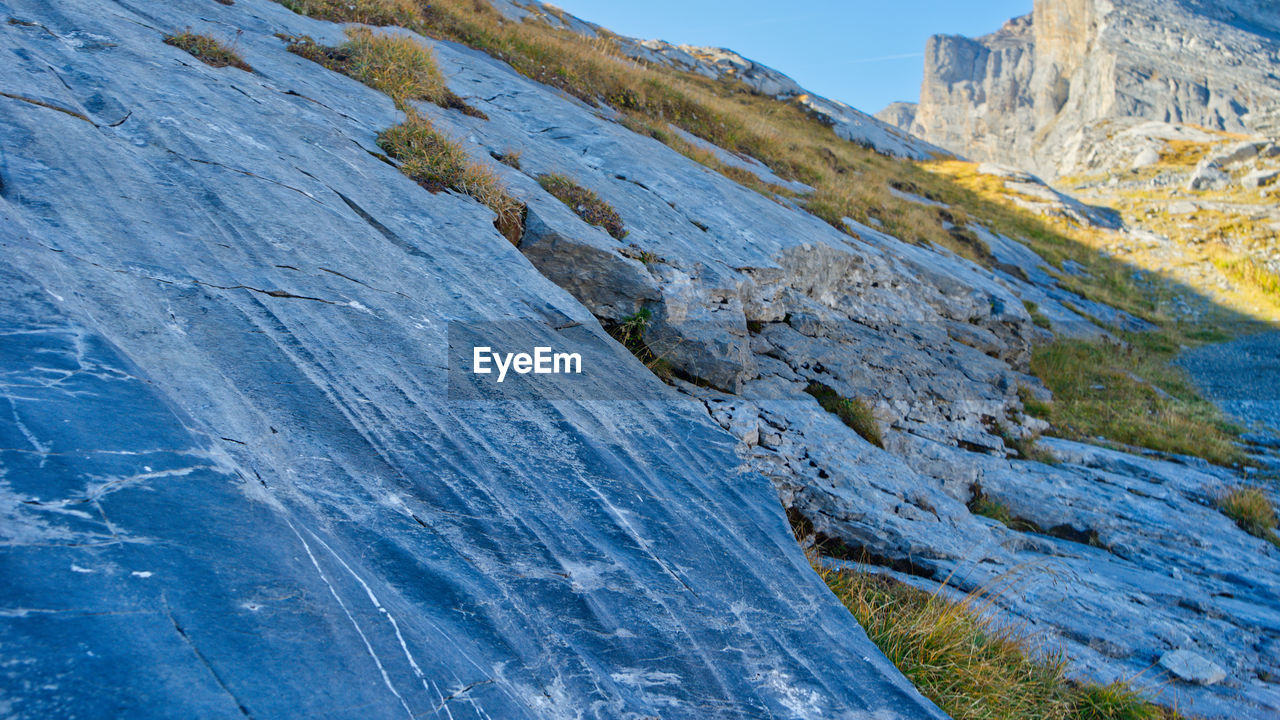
x,y
455,695
40,103
215,163
182,633
272,293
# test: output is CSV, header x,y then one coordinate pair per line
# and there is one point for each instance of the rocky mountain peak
x,y
1027,93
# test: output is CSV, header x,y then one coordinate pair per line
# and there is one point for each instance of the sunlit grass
x,y
1131,393
971,665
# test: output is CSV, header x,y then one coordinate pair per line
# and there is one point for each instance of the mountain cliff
x,y
1032,93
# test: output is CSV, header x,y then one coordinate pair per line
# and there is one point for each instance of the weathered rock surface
x,y
1029,93
263,481
231,480
767,300
1190,667
899,114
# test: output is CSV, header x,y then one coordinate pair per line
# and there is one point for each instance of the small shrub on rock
x,y
630,333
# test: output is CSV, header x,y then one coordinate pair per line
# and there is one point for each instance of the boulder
x,y
1259,179
1208,176
1147,157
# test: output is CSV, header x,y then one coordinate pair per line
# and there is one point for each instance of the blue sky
x,y
867,53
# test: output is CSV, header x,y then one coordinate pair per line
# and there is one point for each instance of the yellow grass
x,y
969,664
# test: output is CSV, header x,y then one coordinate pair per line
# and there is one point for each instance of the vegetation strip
x,y
207,50
585,203
1129,392
971,666
406,70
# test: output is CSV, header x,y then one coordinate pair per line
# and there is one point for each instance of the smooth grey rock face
x,y
1030,93
232,482
1190,667
243,313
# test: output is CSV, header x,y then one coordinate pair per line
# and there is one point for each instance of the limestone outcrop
x,y
1029,93
232,481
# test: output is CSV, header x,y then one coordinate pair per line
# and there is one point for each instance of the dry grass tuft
x,y
369,12
438,163
406,70
510,158
585,203
207,50
394,64
1252,511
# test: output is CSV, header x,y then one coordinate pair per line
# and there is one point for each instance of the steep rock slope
x,y
281,296
1027,93
233,484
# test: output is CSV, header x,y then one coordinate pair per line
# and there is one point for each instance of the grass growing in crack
x,y
1038,318
406,71
1250,508
585,203
207,50
510,158
853,412
989,507
1131,393
397,65
969,664
630,333
438,163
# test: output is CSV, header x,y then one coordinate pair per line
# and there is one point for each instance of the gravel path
x,y
1243,378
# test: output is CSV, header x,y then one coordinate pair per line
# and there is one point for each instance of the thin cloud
x,y
883,58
